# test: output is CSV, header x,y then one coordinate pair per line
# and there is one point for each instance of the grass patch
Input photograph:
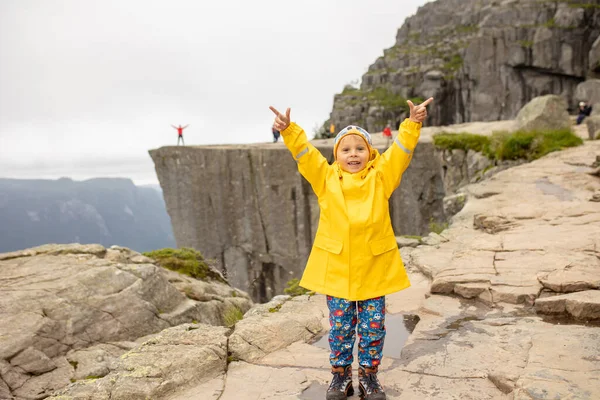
x,y
461,141
294,289
275,309
583,5
466,29
437,227
528,145
190,294
551,23
186,261
454,63
231,359
419,238
525,43
350,90
388,100
232,315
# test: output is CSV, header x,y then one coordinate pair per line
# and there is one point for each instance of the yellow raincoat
x,y
355,255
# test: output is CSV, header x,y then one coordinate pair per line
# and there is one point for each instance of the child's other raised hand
x,y
418,113
281,121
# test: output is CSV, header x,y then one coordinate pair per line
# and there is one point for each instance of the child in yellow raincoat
x,y
355,259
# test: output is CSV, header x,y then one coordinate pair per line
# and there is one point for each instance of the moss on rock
x,y
528,145
186,261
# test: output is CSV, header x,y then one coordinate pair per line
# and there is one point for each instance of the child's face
x,y
352,154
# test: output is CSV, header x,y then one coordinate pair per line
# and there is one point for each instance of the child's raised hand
x,y
281,121
418,113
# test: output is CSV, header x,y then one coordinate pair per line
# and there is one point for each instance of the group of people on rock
x,y
584,110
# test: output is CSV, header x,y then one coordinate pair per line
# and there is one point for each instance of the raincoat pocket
x,y
328,244
380,246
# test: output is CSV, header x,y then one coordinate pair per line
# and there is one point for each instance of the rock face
x,y
69,311
589,92
248,207
482,60
593,126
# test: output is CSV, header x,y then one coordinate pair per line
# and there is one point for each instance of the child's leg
x,y
342,318
371,331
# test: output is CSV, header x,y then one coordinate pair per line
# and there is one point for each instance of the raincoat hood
x,y
354,130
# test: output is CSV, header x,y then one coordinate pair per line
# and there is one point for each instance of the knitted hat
x,y
353,130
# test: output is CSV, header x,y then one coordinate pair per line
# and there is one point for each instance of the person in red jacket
x,y
387,134
180,133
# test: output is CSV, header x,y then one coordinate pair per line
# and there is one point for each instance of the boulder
x,y
544,113
593,126
454,203
580,305
407,242
589,91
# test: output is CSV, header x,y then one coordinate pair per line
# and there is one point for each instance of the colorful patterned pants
x,y
345,321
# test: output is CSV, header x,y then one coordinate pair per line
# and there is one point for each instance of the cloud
x,y
80,78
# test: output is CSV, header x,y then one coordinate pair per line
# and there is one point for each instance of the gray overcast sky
x,y
87,87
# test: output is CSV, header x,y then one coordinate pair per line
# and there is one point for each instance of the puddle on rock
x,y
314,392
398,328
550,188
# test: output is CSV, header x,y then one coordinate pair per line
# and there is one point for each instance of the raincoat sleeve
x,y
311,163
395,160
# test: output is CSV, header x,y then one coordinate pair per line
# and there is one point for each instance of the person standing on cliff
x,y
387,134
354,260
180,133
276,134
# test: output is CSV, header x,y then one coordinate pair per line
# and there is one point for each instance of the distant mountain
x,y
154,186
107,211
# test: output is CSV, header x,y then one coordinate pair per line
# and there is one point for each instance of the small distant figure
x,y
276,134
331,130
180,133
584,111
387,134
